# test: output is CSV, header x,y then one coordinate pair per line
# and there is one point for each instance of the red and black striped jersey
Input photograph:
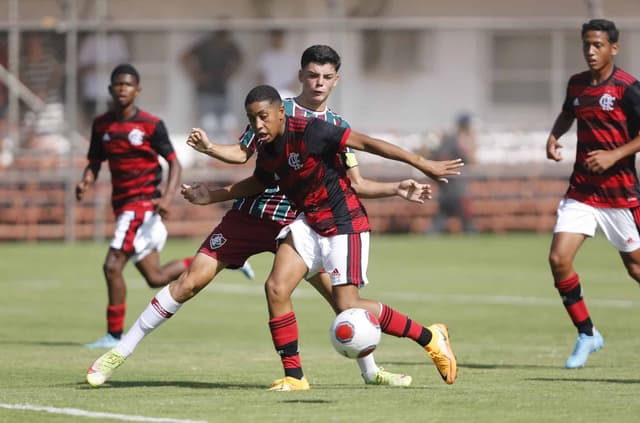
x,y
271,203
131,147
305,162
608,116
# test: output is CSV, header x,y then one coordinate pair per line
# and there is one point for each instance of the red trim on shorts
x,y
354,258
635,212
132,229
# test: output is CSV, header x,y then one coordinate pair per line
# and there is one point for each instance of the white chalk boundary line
x,y
93,414
305,292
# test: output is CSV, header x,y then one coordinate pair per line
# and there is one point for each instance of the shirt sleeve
x,y
247,140
567,105
323,138
161,143
96,152
631,107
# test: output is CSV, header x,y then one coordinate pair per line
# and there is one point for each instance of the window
x,y
389,51
522,65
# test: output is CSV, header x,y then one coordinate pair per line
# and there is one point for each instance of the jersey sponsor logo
x,y
135,137
106,137
217,241
606,102
294,161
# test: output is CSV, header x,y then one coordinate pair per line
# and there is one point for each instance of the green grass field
x,y
214,360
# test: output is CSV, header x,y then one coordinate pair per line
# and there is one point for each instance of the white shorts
x,y
344,257
139,235
620,226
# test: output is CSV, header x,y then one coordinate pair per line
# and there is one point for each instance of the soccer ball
x,y
355,333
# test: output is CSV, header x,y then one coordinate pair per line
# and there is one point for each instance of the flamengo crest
x,y
294,161
136,137
606,102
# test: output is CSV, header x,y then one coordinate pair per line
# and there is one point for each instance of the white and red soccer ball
x,y
355,333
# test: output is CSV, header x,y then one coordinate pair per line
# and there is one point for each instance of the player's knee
x,y
558,262
188,286
111,270
274,291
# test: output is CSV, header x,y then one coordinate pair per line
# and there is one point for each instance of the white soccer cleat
x,y
102,369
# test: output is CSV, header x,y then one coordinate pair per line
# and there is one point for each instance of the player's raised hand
x,y
198,140
439,169
196,193
414,191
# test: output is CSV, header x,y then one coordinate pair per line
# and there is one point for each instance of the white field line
x,y
94,415
306,292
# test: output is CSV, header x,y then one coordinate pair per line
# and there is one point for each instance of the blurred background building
x,y
409,68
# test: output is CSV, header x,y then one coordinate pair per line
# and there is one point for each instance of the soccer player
x,y
131,140
253,223
301,156
603,189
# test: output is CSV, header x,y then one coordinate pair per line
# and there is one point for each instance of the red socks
x,y
115,319
284,332
397,324
571,292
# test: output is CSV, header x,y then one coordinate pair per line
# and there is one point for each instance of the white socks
x,y
368,367
161,308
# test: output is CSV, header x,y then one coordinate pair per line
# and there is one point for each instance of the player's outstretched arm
x,y
232,154
560,127
200,193
435,169
408,189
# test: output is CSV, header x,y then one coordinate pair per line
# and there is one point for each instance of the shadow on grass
x,y
216,385
309,401
575,379
480,366
173,384
505,366
43,343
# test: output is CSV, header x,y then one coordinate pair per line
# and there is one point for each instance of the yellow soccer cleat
x,y
289,383
103,367
440,352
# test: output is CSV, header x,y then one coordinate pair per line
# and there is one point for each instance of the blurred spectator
x,y
43,74
97,56
272,62
211,63
454,211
